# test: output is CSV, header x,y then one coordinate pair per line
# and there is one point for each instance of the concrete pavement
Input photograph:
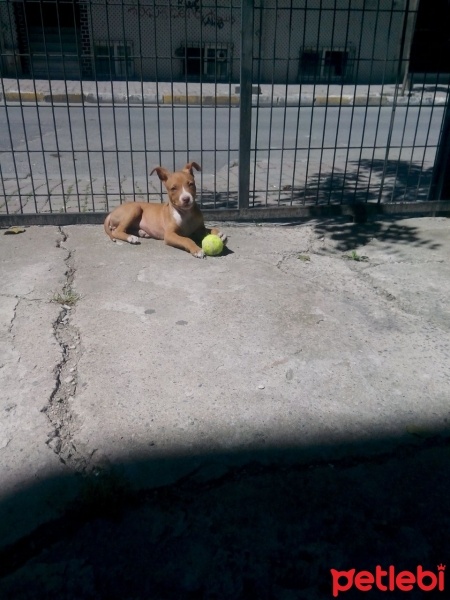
x,y
303,345
211,94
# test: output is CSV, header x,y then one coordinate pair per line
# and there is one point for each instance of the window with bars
x,y
211,62
325,64
114,60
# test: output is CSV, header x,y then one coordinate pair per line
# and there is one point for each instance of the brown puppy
x,y
174,222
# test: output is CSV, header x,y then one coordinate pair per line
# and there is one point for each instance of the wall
x,y
158,29
371,30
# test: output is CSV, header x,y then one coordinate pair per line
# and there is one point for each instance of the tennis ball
x,y
212,245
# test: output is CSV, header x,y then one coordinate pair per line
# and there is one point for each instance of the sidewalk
x,y
177,428
207,94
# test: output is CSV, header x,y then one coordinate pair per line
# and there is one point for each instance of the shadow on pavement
x,y
347,236
271,527
365,181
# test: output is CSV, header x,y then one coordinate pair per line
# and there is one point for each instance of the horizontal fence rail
x,y
285,104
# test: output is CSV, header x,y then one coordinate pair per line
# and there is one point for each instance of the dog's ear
x,y
163,173
189,166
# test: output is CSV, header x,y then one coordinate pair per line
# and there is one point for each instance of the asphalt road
x,y
126,142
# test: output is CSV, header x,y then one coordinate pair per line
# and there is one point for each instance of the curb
x,y
359,212
201,100
220,100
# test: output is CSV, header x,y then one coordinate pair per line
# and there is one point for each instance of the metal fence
x,y
285,104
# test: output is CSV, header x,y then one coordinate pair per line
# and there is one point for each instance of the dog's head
x,y
180,185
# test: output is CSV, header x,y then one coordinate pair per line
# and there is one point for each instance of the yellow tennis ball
x,y
212,245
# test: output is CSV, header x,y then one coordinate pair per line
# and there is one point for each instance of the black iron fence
x,y
285,104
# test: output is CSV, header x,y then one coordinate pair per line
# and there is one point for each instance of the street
x,y
82,155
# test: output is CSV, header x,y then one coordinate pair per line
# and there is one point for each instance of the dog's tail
x,y
108,227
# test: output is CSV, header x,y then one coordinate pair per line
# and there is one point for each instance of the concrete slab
x,y
236,349
165,365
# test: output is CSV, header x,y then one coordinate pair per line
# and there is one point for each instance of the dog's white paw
x,y
143,234
133,239
199,254
223,236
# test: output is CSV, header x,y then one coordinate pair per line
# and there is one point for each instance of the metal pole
x,y
245,106
440,183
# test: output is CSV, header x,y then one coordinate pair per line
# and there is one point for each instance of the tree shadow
x,y
218,200
268,523
393,233
226,200
367,181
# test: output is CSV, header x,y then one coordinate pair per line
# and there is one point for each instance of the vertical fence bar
x,y
111,67
13,151
174,144
394,105
286,91
127,92
83,110
299,112
230,75
141,66
158,104
427,137
336,139
373,164
314,108
274,11
40,124
259,27
355,74
245,107
440,183
4,191
327,108
215,108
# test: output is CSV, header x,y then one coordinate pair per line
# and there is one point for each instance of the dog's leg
x,y
223,236
178,241
203,231
125,218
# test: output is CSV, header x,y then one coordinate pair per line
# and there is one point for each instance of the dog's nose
x,y
185,199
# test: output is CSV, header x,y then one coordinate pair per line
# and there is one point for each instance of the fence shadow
x,y
270,527
216,200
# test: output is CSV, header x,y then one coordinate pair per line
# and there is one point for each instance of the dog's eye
x,y
191,183
173,188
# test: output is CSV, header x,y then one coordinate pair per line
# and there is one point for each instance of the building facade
x,y
294,41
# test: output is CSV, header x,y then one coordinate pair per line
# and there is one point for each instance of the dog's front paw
x,y
143,234
133,239
223,237
199,253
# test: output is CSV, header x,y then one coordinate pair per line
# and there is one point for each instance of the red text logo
x,y
388,580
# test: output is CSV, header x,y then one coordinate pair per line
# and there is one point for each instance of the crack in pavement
x,y
11,323
58,410
364,274
19,297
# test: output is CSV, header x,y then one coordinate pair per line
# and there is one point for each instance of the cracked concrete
x,y
58,410
167,365
32,269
